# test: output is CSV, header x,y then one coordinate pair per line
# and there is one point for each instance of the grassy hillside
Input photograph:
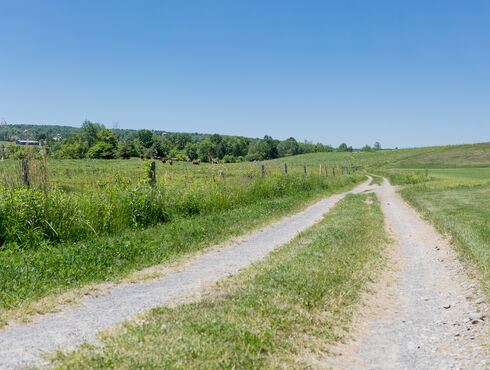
x,y
428,157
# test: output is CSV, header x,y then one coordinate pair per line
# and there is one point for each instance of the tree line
x,y
93,140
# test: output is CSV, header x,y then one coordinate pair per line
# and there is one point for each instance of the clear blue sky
x,y
405,73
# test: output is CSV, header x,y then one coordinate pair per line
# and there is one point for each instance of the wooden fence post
x,y
285,168
153,174
320,169
263,170
333,171
25,173
304,168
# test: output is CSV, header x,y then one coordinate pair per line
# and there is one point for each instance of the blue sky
x,y
405,73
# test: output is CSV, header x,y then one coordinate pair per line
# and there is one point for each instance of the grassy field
x,y
280,312
35,262
87,221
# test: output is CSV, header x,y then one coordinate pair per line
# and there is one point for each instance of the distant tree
x,y
366,148
179,140
342,148
288,147
191,151
89,132
126,149
106,146
145,137
377,145
206,149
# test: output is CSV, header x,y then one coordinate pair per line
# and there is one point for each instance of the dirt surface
x,y
24,345
425,313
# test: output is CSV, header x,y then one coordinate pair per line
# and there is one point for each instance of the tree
x,y
366,148
145,137
106,146
377,146
191,151
206,149
126,149
180,140
89,132
288,147
342,148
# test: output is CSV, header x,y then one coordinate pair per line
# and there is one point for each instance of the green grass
x,y
464,213
29,274
294,303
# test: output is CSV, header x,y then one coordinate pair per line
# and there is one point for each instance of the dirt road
x,y
428,315
24,344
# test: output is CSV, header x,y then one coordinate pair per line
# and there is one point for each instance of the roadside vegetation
x,y
53,240
280,312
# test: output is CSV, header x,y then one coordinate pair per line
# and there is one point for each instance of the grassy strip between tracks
x,y
32,280
278,313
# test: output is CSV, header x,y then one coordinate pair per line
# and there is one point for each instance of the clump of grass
x,y
406,177
298,299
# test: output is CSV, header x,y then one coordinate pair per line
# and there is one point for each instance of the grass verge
x,y
29,275
299,299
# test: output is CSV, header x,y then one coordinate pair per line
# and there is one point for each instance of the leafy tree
x,y
377,146
180,140
191,151
106,146
288,147
342,148
126,149
145,137
89,132
366,148
206,149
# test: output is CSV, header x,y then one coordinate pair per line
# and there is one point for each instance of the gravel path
x,y
23,344
427,322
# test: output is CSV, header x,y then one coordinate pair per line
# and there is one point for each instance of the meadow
x,y
92,221
88,221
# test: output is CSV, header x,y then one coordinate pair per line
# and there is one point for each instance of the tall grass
x,y
30,218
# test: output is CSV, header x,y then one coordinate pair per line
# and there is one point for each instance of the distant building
x,y
27,142
58,137
164,135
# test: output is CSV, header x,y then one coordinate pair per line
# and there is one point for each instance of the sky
x,y
404,73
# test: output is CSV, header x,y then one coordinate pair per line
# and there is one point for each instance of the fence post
x,y
285,168
333,171
263,170
320,169
304,168
25,173
153,174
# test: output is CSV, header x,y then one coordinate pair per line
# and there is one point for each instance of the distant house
x,y
58,137
27,142
164,135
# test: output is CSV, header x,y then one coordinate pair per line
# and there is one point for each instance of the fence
x,y
75,175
